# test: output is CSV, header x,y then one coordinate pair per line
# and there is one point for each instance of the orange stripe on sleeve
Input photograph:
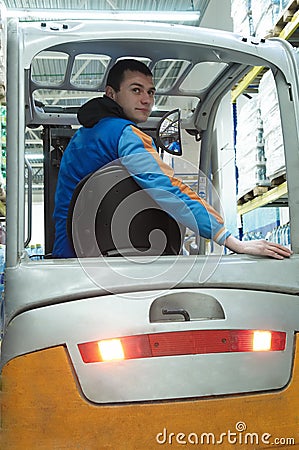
x,y
168,171
147,142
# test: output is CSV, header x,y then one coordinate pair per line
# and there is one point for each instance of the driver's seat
x,y
111,215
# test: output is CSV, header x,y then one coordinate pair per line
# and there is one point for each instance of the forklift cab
x,y
101,194
137,352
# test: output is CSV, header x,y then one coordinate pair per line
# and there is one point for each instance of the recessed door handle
x,y
183,312
185,306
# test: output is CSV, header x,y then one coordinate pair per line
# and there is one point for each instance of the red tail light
x,y
182,343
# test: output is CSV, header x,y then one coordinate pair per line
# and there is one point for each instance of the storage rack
x,y
286,27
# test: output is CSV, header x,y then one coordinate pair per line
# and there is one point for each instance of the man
x,y
110,132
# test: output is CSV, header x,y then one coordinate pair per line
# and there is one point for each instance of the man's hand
x,y
259,247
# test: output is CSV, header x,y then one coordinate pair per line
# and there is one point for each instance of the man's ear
x,y
110,92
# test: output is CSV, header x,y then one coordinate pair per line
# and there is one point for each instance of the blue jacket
x,y
113,137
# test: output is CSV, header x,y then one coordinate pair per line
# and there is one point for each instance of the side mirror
x,y
169,133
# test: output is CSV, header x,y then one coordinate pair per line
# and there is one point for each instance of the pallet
x,y
278,178
255,192
286,17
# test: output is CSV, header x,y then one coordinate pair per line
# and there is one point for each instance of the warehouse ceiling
x,y
48,10
112,5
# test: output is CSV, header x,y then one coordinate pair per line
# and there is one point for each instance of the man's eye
x,y
136,90
151,93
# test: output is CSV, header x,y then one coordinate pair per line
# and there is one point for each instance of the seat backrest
x,y
111,215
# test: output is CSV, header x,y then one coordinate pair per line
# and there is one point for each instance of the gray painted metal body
x,y
65,302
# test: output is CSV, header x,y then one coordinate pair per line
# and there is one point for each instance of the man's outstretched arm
x,y
259,247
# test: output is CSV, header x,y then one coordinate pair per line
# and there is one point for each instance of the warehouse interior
x,y
149,224
249,17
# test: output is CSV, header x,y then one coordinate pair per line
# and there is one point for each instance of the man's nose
x,y
146,98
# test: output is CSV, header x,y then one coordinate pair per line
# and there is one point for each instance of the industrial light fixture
x,y
33,156
64,14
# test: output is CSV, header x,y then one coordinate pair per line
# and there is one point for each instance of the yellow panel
x,y
43,409
290,27
264,199
245,82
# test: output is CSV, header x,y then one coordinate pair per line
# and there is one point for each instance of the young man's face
x,y
136,95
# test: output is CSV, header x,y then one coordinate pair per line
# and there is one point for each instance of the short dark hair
x,y
116,73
